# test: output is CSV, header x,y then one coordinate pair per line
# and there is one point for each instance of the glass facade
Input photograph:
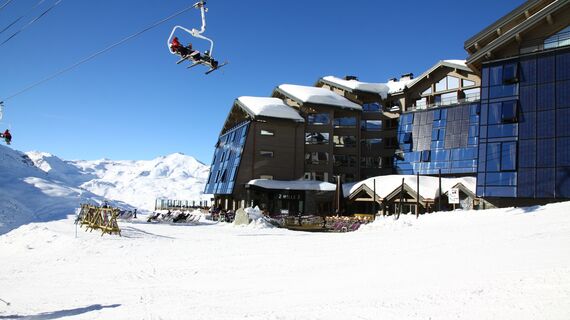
x,y
223,171
443,139
524,149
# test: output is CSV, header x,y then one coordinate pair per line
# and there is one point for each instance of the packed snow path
x,y
495,264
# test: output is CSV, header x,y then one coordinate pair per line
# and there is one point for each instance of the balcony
x,y
470,98
561,39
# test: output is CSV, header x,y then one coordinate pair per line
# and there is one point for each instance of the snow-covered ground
x,y
495,264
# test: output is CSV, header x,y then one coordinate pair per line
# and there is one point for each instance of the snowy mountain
x,y
37,186
138,183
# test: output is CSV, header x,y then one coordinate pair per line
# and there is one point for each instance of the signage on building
x,y
453,196
281,196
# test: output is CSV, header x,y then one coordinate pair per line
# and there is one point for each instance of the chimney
x,y
393,80
407,77
351,78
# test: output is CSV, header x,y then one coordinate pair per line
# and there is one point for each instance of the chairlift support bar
x,y
194,32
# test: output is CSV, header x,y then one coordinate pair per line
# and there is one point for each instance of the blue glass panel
x,y
493,157
563,66
474,109
545,182
494,115
527,71
563,152
474,120
482,165
527,153
563,122
468,164
481,179
527,125
528,99
501,179
563,183
508,192
526,183
496,75
484,114
440,155
502,130
545,97
473,141
503,91
483,132
484,93
563,94
545,153
437,145
437,115
545,67
545,125
508,156
485,77
426,155
473,130
481,191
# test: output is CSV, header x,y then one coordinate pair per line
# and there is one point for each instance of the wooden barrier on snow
x,y
100,218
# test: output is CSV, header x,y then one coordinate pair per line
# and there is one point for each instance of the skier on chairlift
x,y
183,51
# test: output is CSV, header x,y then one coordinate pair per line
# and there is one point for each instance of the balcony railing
x,y
474,97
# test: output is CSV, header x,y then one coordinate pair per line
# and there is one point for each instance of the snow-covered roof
x,y
429,186
293,185
268,107
354,85
316,95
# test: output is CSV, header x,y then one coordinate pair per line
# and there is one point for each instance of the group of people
x,y
189,53
7,136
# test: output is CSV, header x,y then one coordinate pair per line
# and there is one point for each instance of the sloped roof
x,y
268,107
305,94
454,64
429,186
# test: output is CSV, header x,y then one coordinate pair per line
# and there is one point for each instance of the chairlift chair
x,y
207,59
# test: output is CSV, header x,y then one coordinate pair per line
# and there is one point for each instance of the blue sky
x,y
134,102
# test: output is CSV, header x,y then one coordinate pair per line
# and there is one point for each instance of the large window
x,y
318,118
370,162
316,138
316,158
447,83
345,160
371,144
345,122
344,141
501,156
502,112
371,125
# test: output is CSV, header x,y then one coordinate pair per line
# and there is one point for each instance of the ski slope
x,y
494,264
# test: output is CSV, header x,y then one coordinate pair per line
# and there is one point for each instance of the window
x,y
467,83
371,107
318,118
266,154
408,137
447,83
390,143
345,122
509,112
267,132
344,160
370,162
501,156
371,144
316,158
427,91
344,141
449,98
316,138
561,38
510,73
421,103
472,94
426,154
371,125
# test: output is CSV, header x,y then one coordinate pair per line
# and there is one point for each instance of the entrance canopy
x,y
307,185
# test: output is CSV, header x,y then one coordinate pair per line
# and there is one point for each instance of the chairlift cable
x,y
22,16
32,21
5,4
96,54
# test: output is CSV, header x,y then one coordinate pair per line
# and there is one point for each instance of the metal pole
x,y
418,196
401,200
439,193
374,206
